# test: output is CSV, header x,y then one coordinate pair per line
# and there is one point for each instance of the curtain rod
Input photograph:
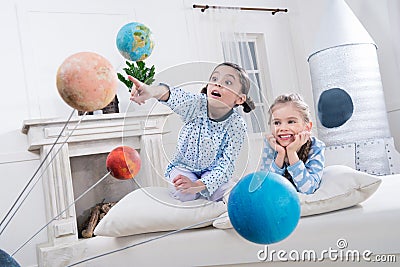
x,y
273,10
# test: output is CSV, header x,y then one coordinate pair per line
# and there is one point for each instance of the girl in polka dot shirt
x,y
213,132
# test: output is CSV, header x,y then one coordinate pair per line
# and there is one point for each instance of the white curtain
x,y
226,35
238,47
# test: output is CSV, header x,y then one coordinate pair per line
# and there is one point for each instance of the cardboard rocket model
x,y
348,93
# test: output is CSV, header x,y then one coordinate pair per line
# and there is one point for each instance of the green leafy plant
x,y
139,71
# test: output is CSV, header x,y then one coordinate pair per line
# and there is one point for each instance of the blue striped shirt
x,y
306,176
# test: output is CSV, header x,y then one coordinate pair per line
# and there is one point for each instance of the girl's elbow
x,y
313,186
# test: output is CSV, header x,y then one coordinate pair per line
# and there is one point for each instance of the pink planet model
x,y
87,81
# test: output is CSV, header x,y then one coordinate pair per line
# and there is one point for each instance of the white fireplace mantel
x,y
93,130
95,134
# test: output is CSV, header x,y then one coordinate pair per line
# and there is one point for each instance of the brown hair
x,y
248,105
303,108
294,99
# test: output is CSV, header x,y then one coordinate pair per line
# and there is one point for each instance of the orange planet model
x,y
87,81
123,162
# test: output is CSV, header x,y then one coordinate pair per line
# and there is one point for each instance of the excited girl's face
x,y
224,88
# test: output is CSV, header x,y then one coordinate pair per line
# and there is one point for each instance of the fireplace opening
x,y
86,171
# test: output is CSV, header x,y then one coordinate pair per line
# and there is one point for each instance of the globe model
x,y
134,41
266,213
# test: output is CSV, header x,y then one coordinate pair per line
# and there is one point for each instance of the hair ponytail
x,y
304,150
248,105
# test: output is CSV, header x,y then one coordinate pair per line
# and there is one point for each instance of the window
x,y
248,47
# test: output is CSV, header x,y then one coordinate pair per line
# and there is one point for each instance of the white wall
x,y
37,37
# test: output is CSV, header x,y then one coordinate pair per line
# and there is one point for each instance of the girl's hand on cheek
x,y
304,137
274,144
299,140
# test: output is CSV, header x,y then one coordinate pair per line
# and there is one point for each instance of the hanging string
x,y
34,174
58,215
146,241
48,164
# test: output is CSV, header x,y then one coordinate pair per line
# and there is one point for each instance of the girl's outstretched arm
x,y
141,92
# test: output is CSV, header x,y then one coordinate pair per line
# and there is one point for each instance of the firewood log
x,y
94,217
107,206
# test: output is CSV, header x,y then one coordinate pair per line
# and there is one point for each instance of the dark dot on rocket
x,y
335,107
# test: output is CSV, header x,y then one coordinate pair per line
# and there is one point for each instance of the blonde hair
x,y
299,103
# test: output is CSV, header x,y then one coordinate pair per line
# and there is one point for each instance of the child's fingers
x,y
134,93
176,178
136,86
179,179
135,81
272,141
303,137
271,138
137,96
306,134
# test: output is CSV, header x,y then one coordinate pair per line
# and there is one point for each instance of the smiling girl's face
x,y
286,122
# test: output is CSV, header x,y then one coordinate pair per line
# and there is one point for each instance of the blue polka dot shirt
x,y
306,176
205,144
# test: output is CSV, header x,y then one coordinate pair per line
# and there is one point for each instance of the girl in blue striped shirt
x,y
290,150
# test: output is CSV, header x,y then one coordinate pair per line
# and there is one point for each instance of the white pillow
x,y
341,187
152,209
